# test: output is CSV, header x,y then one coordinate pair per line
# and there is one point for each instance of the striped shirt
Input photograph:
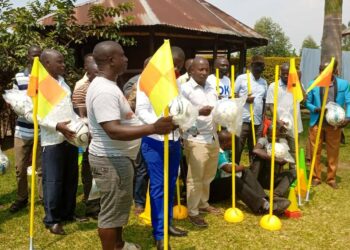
x,y
79,96
24,129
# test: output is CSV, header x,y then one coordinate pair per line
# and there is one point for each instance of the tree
x,y
279,44
19,29
346,39
310,43
332,31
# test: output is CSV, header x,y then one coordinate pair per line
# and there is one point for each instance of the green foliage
x,y
279,44
333,7
346,39
19,28
310,43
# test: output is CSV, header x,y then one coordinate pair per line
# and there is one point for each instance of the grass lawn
x,y
325,223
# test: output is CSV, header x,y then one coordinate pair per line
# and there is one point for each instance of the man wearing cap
x,y
257,96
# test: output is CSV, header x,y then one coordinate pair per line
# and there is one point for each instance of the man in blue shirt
x,y
339,93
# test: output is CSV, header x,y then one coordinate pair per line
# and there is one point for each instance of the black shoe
x,y
77,218
198,221
176,232
18,205
56,229
280,205
333,185
160,245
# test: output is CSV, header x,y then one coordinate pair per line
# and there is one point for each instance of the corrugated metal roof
x,y
197,15
346,32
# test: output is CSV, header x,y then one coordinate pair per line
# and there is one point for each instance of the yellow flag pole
x,y
296,140
218,88
32,190
233,214
319,129
251,108
166,186
270,221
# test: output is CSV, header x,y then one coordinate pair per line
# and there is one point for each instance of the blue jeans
x,y
141,181
153,152
60,182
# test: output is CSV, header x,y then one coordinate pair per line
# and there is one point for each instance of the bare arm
x,y
116,131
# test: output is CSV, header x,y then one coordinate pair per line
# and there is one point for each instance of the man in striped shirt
x,y
24,134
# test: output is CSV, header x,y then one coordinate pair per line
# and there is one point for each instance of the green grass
x,y
325,223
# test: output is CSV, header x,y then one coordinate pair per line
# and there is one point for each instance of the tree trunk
x,y
332,31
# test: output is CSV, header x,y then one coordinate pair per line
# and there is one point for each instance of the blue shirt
x,y
259,89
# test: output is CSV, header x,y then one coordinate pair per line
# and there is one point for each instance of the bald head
x,y
109,57
223,65
200,70
188,64
33,51
284,72
53,62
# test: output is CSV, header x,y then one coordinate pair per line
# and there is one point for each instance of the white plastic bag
x,y
183,112
281,151
228,113
335,114
94,192
19,101
4,162
287,117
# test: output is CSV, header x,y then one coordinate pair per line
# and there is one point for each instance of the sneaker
x,y
210,210
333,185
280,206
18,205
198,221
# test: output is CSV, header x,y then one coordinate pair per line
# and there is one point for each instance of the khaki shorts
x,y
114,179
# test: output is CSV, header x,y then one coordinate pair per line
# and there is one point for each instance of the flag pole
x,y
251,108
315,148
272,222
166,185
233,214
32,190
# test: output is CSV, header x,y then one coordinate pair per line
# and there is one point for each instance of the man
x,y
284,106
340,94
79,105
185,77
223,65
152,148
261,167
114,145
248,189
88,59
201,151
24,139
258,94
59,158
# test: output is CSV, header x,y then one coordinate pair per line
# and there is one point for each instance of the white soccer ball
x,y
81,133
335,115
183,112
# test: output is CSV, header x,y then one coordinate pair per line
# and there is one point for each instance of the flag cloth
x,y
158,79
325,78
293,78
49,92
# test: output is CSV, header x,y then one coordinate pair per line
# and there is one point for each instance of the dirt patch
x,y
344,165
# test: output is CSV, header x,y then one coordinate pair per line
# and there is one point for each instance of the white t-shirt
x,y
285,104
224,85
106,102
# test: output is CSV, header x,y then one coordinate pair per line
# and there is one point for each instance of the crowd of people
x,y
127,143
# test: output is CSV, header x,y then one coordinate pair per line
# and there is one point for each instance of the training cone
x,y
145,216
303,173
292,211
270,222
233,215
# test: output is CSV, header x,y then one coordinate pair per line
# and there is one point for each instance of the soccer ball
x,y
335,115
280,150
81,133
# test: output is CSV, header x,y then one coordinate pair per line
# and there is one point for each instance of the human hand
x,y
239,168
206,110
163,125
280,161
317,110
63,128
250,99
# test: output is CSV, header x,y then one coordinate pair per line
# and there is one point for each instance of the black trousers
x,y
248,190
60,182
261,170
247,135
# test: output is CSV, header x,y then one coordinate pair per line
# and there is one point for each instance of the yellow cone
x,y
145,216
293,210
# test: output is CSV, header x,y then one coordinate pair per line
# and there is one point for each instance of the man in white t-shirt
x,y
223,65
285,107
115,142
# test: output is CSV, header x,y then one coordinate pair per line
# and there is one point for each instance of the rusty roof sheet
x,y
197,15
